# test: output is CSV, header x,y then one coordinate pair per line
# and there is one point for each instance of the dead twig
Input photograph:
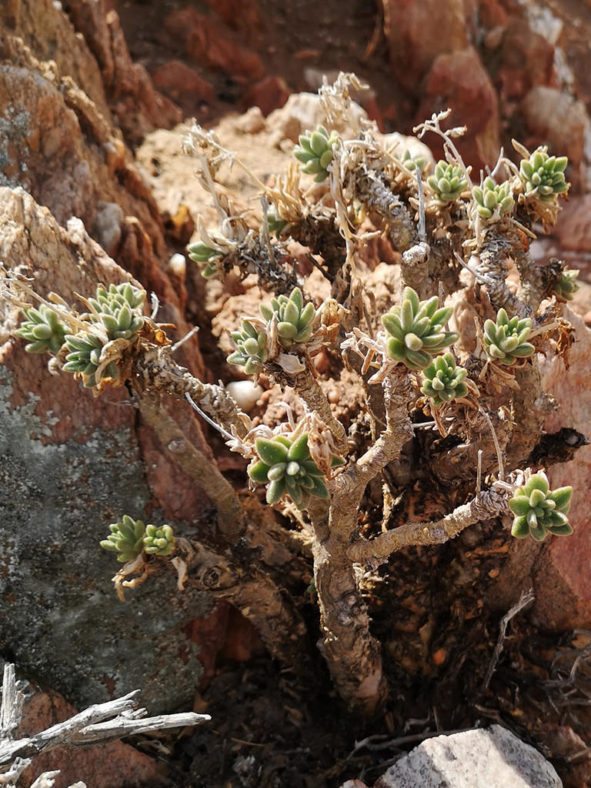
x,y
527,597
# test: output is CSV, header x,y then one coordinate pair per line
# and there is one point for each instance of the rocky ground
x,y
92,99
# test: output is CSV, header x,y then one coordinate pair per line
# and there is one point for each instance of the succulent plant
x,y
315,152
539,511
413,160
416,330
84,356
543,175
251,348
42,329
119,309
205,257
567,285
448,181
275,223
443,380
285,465
493,199
295,320
159,540
126,538
505,340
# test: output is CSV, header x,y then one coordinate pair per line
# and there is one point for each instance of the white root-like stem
x,y
99,723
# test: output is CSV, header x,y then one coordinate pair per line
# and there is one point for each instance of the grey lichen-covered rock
x,y
492,758
70,465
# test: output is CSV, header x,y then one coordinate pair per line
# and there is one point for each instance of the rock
x,y
523,60
492,758
492,14
71,464
303,111
111,765
268,94
573,228
60,144
251,122
211,44
48,34
245,393
418,32
242,15
561,579
138,107
109,221
557,568
564,743
556,119
183,85
460,81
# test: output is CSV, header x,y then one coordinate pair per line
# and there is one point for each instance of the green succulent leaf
x,y
538,510
415,329
542,175
447,182
159,540
295,318
562,498
271,451
504,340
286,466
315,152
258,471
42,329
126,539
299,448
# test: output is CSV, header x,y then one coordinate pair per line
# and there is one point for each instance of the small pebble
x,y
245,393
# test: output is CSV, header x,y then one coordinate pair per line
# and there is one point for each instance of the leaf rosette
x,y
443,381
251,348
159,540
567,285
285,465
315,152
42,329
448,181
416,330
543,175
295,318
540,511
493,200
126,538
505,340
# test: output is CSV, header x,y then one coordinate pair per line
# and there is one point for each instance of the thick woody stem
x,y
352,654
373,192
491,268
527,416
231,519
489,503
156,371
306,385
254,593
258,598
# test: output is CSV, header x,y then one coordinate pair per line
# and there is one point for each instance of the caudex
x,y
457,346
